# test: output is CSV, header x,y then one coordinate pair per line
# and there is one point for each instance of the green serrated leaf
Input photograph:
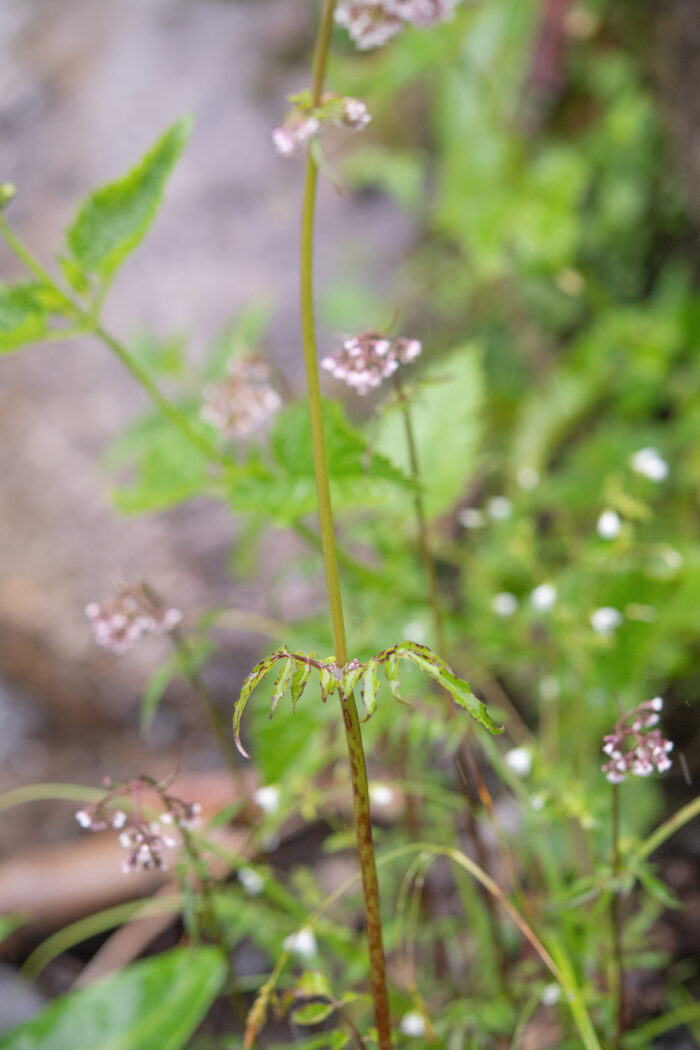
x,y
312,1013
155,689
115,218
256,676
457,687
157,1002
281,683
22,315
299,680
447,422
370,687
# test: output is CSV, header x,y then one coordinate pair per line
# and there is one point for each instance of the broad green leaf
x,y
115,218
154,692
167,468
281,683
287,489
370,687
22,315
446,415
156,1003
299,680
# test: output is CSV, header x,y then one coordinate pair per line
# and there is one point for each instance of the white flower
x,y
609,525
504,604
551,994
499,507
471,518
543,597
648,461
83,818
549,688
268,798
301,943
519,760
412,1023
537,802
381,794
605,620
415,631
528,478
251,881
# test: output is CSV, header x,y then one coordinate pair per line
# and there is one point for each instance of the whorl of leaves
x,y
296,668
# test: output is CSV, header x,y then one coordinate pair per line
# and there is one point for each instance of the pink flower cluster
x,y
636,745
303,123
121,621
363,361
372,23
243,402
146,841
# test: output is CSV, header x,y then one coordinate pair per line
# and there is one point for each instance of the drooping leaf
x,y
281,683
256,676
391,670
457,687
370,687
446,414
350,680
22,315
154,1003
328,683
115,218
299,680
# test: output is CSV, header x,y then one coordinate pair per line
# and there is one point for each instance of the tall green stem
x,y
351,722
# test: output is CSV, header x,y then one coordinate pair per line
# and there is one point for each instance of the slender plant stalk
x,y
351,722
616,919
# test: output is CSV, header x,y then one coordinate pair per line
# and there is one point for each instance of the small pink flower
x,y
293,136
243,402
363,361
119,622
144,840
635,746
373,23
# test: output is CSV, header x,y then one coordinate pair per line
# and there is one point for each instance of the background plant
x,y
553,279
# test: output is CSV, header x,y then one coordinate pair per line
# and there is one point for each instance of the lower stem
x,y
616,919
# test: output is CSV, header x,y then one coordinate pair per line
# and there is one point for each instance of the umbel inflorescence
x,y
243,402
120,621
637,745
306,118
373,23
145,838
363,361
